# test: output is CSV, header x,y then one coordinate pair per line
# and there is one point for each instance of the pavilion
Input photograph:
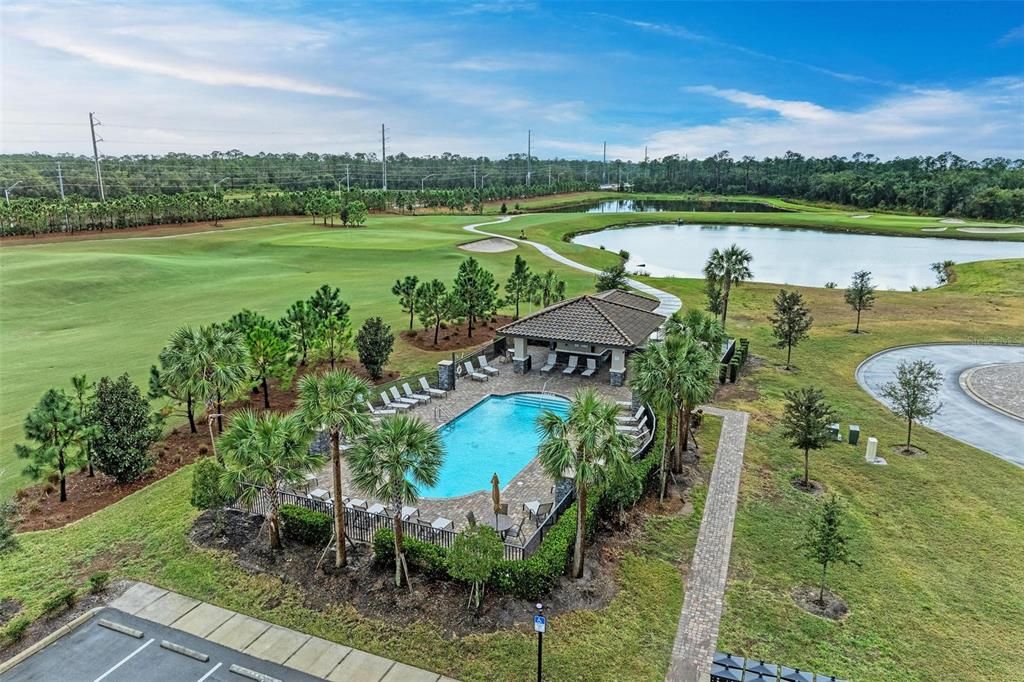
x,y
605,326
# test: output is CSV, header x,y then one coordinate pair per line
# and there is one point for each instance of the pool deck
x,y
531,483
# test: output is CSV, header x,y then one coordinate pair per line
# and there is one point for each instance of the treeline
x,y
76,213
947,184
936,185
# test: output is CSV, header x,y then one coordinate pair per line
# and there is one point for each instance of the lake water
x,y
660,205
796,256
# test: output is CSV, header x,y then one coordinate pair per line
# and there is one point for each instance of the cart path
x,y
667,303
697,632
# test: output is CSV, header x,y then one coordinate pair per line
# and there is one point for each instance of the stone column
x,y
617,373
872,452
521,360
446,375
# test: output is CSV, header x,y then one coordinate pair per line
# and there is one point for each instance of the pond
x,y
795,256
660,205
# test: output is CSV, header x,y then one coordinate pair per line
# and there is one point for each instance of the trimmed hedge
x,y
429,559
306,526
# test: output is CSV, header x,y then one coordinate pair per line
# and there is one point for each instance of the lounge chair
x,y
397,397
550,364
591,368
538,511
634,419
472,373
436,392
485,368
382,412
574,362
415,396
624,404
393,406
622,428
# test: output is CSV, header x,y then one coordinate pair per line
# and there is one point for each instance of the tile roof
x,y
588,319
629,298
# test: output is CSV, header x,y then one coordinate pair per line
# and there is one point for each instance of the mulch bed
x,y
370,588
39,506
813,487
914,451
832,607
455,337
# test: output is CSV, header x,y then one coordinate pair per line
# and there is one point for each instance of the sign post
x,y
539,625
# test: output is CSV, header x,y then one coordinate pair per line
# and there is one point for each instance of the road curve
x,y
667,303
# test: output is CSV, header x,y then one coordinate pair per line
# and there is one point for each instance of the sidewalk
x,y
307,654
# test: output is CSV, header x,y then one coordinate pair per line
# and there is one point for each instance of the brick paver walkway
x,y
697,632
999,386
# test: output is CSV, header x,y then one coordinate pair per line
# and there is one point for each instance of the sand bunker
x,y
991,230
492,245
952,221
861,217
933,229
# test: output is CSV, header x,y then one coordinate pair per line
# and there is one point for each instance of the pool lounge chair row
x,y
485,372
396,401
572,366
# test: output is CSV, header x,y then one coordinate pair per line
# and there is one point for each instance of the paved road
x,y
667,303
961,416
93,653
697,632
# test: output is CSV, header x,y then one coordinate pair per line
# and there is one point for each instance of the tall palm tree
x,y
333,401
270,450
655,377
703,327
178,370
218,369
728,267
699,371
586,447
392,462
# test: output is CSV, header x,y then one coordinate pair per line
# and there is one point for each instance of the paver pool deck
x,y
962,416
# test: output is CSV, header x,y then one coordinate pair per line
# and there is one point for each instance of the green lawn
x,y
107,306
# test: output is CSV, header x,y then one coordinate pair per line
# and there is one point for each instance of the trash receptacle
x,y
854,434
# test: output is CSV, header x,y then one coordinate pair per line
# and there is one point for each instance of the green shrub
x,y
207,490
60,600
8,513
424,557
306,526
124,429
15,630
98,581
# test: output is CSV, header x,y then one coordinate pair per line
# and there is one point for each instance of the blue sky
x,y
893,79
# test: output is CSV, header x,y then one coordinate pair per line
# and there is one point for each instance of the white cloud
x,y
976,122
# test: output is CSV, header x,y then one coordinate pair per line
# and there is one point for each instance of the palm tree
x,y
655,377
177,372
728,267
268,450
333,401
704,328
586,447
391,463
699,371
217,359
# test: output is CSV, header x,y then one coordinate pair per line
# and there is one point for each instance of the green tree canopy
x,y
374,341
473,556
860,295
612,277
435,305
805,421
914,391
791,321
826,541
517,286
270,356
725,269
476,291
124,429
53,427
405,289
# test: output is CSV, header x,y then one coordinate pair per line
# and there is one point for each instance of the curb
x,y
63,630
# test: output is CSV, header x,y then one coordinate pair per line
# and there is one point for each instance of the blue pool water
x,y
497,435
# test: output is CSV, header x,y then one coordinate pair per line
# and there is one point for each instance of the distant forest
x,y
945,185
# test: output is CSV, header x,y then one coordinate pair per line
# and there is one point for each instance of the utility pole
x,y
529,154
549,175
93,122
60,178
604,162
474,177
348,180
645,153
383,159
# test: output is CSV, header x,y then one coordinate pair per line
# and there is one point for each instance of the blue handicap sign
x,y
539,623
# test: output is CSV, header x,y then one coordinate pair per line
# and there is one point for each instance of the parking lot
x,y
114,646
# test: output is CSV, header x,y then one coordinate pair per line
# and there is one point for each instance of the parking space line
x,y
124,660
212,671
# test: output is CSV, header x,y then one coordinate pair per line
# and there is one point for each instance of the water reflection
x,y
659,205
796,256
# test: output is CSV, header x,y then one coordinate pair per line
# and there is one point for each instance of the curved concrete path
x,y
961,416
667,303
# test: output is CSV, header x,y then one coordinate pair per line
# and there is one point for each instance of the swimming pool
x,y
497,435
